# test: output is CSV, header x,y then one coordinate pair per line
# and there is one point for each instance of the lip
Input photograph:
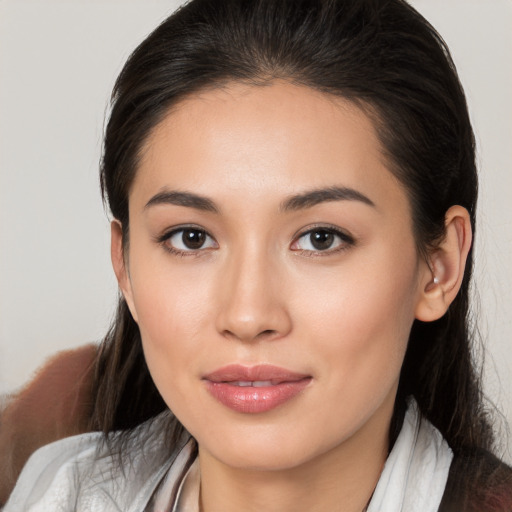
x,y
230,385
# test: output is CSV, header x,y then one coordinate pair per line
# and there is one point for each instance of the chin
x,y
267,449
264,460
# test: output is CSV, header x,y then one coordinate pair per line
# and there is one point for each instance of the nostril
x,y
267,333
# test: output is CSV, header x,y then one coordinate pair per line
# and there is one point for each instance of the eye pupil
x,y
193,238
322,239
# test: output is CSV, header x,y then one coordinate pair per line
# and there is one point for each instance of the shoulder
x,y
49,473
478,482
82,473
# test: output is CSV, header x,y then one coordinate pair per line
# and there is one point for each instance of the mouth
x,y
254,383
255,389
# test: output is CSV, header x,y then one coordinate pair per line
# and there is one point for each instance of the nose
x,y
252,301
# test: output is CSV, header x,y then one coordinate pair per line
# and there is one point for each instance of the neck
x,y
345,476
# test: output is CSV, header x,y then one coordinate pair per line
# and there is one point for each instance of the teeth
x,y
261,383
255,383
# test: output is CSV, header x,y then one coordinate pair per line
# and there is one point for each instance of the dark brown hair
x,y
383,56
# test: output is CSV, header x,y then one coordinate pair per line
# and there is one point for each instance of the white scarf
x,y
416,471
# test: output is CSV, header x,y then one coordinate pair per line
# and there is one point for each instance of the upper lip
x,y
262,372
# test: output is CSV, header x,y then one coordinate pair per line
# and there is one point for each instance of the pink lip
x,y
282,386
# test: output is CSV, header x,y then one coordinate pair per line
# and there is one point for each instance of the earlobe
x,y
442,277
118,263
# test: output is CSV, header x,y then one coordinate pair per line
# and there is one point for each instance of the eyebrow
x,y
323,195
297,202
187,199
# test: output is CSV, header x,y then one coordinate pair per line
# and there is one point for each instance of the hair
x,y
383,56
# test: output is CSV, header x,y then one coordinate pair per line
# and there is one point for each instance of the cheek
x,y
172,319
165,312
173,307
360,317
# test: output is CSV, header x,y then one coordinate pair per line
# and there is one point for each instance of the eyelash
x,y
164,239
346,241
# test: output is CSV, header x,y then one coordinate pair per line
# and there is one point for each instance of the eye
x,y
188,240
322,240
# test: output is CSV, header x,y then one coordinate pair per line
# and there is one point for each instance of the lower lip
x,y
252,400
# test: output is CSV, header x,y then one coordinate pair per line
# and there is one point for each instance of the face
x,y
273,273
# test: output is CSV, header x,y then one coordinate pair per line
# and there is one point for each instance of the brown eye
x,y
322,240
189,239
193,238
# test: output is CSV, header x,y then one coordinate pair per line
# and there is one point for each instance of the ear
x,y
117,254
443,273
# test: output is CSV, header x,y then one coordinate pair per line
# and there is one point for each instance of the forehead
x,y
264,142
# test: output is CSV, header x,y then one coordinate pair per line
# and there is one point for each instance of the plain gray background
x,y
58,62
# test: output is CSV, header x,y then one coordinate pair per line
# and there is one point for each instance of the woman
x,y
293,190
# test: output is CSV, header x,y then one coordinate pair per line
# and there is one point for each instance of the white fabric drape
x,y
76,475
416,471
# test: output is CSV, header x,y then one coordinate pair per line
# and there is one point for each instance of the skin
x,y
259,292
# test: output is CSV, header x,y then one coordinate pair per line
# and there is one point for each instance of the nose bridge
x,y
253,303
